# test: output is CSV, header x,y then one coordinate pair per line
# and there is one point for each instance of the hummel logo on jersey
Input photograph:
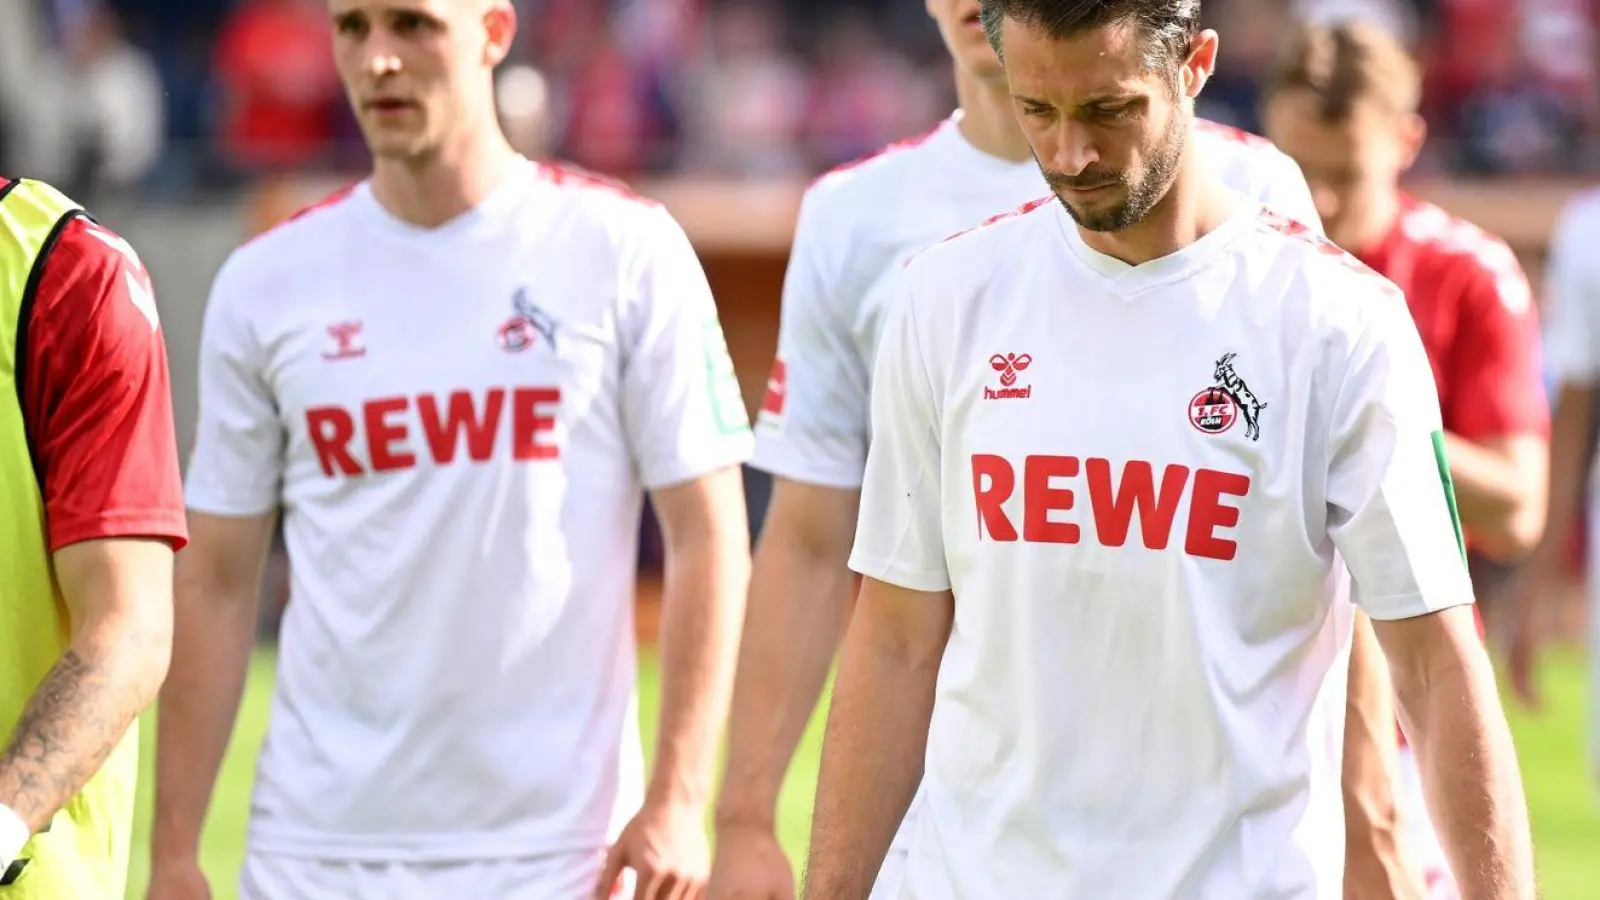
x,y
529,321
1215,409
346,340
1008,365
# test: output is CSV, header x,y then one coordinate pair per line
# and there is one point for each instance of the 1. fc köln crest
x,y
1218,407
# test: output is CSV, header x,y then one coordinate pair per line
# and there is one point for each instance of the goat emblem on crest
x,y
1215,409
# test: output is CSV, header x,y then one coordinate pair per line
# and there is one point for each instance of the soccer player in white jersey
x,y
1572,363
1133,456
457,380
858,225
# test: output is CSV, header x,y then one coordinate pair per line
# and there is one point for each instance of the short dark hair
x,y
1168,26
1344,64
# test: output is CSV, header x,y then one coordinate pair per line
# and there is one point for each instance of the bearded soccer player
x,y
1343,101
457,380
1107,598
857,227
91,512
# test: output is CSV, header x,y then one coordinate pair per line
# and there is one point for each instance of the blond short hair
x,y
1346,63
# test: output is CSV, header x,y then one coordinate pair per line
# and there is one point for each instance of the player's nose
x,y
1074,150
380,63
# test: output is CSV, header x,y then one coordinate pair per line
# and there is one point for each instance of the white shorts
x,y
887,887
1420,836
570,876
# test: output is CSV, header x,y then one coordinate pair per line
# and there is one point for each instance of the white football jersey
x,y
860,223
1572,302
459,424
1149,488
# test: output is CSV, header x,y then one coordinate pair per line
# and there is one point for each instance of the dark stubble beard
x,y
1139,196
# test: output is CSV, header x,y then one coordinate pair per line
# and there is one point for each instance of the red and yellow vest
x,y
83,854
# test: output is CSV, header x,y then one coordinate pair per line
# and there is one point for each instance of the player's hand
x,y
1525,634
665,845
177,881
750,865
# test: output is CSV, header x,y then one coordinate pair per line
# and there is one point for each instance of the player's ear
x,y
1413,134
500,27
1200,63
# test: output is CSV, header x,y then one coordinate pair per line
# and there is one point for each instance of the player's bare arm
x,y
800,596
118,593
877,736
703,524
1377,864
1500,491
1450,707
1568,476
218,590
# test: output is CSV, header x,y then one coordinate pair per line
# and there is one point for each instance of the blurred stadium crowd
x,y
173,97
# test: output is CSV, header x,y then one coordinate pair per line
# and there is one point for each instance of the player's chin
x,y
392,144
1093,216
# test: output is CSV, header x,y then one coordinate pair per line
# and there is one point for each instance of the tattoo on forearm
x,y
76,718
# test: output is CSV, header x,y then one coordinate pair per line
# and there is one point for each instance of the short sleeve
x,y
1391,503
899,534
236,468
813,422
97,395
682,408
1572,303
1495,389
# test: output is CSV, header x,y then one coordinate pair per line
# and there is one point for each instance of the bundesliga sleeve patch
x,y
722,381
777,391
1449,484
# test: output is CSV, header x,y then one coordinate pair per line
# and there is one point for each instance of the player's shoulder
x,y
1579,218
970,255
600,217
1232,136
887,163
297,244
80,260
1231,144
1333,283
1445,236
842,194
593,192
66,228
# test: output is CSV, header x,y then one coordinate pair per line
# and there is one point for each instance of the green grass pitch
x,y
1566,813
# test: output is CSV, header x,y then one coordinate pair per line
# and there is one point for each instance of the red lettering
x,y
528,422
444,432
1002,481
330,429
1039,499
1113,506
1207,513
384,436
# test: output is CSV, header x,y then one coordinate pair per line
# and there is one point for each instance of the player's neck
x,y
1378,218
430,192
1197,203
987,121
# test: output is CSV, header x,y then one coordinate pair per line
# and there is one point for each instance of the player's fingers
x,y
648,882
610,872
680,887
1520,665
691,889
